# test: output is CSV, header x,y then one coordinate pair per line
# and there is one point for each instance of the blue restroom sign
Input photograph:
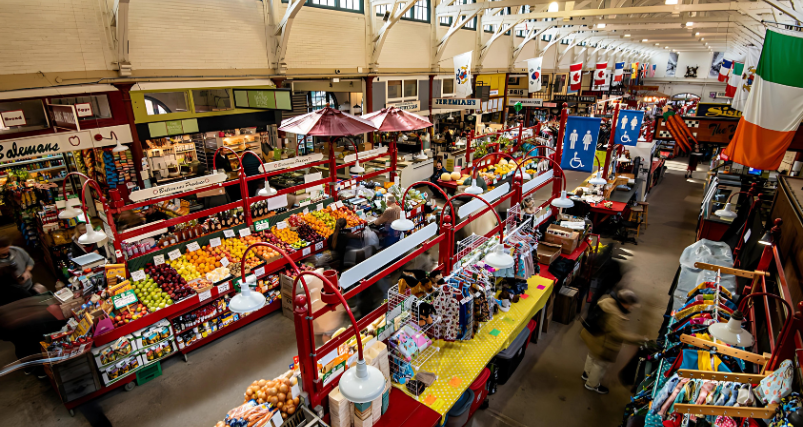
x,y
580,143
628,127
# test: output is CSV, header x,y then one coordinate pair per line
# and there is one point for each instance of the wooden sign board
x,y
716,130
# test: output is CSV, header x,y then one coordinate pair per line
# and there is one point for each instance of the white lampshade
x,y
247,300
474,189
357,169
91,236
623,159
70,212
562,201
598,180
266,191
402,224
362,383
728,212
421,156
119,148
498,258
731,332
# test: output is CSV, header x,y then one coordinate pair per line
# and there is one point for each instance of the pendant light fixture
x,y
498,258
70,211
119,148
728,212
731,332
91,236
247,300
562,201
474,188
267,190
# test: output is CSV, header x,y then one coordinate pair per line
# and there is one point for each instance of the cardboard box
x,y
548,252
566,237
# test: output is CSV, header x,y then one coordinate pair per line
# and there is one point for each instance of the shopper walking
x,y
604,333
16,260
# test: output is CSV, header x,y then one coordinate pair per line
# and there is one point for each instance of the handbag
x,y
778,384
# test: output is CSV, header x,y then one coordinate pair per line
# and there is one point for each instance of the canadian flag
x,y
575,76
599,74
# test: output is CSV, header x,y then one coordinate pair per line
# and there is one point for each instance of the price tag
x,y
262,225
228,233
353,182
747,235
194,246
281,225
466,299
387,164
259,272
306,251
174,254
294,391
213,243
319,207
378,204
319,246
223,287
306,211
124,299
203,296
276,419
333,206
339,204
245,232
224,261
138,275
158,260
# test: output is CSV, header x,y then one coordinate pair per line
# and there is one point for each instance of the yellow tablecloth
x,y
457,364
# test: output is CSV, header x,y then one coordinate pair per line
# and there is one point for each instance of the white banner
x,y
290,163
456,103
177,187
365,154
525,102
462,75
534,73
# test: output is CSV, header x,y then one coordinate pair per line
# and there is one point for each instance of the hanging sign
x,y
410,106
84,110
44,145
13,118
517,92
580,143
177,187
709,109
263,99
365,154
628,127
525,102
64,116
456,103
291,163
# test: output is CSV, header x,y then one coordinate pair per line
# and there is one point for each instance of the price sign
x,y
353,182
228,233
223,287
194,246
306,211
319,246
281,225
245,232
319,207
174,254
339,204
259,272
262,225
333,206
158,260
205,295
306,251
276,420
138,275
123,299
224,261
295,391
213,243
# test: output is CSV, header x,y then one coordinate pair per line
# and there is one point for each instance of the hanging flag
x,y
652,70
619,70
462,75
748,73
734,79
774,108
642,72
606,85
575,76
599,74
534,74
724,69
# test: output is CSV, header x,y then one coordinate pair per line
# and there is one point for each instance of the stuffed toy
x,y
426,314
416,281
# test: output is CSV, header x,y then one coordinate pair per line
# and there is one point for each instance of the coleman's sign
x,y
456,103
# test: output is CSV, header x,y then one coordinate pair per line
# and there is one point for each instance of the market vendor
x,y
437,171
392,213
152,214
15,260
447,135
339,240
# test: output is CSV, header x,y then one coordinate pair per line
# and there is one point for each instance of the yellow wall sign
x,y
710,109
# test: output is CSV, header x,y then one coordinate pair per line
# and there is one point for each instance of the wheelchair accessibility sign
x,y
580,143
628,127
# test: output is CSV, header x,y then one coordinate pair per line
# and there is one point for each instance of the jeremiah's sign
x,y
456,103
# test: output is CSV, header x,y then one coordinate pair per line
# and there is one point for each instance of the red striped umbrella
x,y
327,122
395,120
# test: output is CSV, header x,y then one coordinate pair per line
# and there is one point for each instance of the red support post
x,y
611,141
369,101
393,159
469,150
333,169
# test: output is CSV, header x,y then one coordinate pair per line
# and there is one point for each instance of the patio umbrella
x,y
393,119
327,122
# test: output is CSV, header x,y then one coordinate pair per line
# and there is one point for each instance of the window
x,y
446,20
419,12
345,5
205,101
317,100
470,25
165,103
448,86
32,113
394,89
98,107
410,88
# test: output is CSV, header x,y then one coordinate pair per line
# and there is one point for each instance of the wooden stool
x,y
636,217
646,206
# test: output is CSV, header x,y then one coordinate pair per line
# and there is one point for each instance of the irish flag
x,y
774,108
734,79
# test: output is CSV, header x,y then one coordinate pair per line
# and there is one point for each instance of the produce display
x,y
306,232
320,221
169,281
352,220
276,393
151,296
289,236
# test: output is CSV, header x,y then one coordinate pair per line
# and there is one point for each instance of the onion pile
x,y
276,393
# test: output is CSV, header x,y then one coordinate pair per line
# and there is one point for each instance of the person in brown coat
x,y
604,333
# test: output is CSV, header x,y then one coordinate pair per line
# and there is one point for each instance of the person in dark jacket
x,y
339,240
233,191
251,167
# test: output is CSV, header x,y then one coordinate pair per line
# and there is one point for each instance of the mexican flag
x,y
774,108
734,79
